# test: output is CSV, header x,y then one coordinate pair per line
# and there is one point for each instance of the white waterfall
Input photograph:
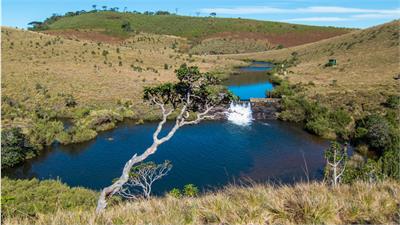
x,y
240,113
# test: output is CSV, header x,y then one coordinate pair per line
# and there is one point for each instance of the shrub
x,y
283,89
126,26
70,101
393,102
81,112
176,193
293,110
102,119
105,53
340,121
190,190
378,135
81,134
44,132
319,126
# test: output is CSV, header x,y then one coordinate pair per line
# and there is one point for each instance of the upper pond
x,y
250,81
209,155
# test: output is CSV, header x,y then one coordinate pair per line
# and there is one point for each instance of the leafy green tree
x,y
14,147
195,93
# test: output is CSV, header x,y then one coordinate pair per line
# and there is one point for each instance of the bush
x,y
44,132
319,126
70,101
176,193
29,197
293,110
393,102
126,26
81,134
190,190
283,89
340,121
14,147
378,135
101,120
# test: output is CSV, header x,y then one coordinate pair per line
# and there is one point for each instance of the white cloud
x,y
376,16
314,9
317,19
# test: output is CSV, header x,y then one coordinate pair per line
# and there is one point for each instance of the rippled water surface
x,y
208,154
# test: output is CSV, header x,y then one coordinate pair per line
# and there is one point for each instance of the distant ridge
x,y
206,32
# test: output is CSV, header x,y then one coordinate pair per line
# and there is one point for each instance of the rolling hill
x,y
367,65
199,31
94,72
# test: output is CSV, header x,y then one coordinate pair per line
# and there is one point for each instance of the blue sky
x,y
342,13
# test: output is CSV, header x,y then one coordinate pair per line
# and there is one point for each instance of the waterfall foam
x,y
240,113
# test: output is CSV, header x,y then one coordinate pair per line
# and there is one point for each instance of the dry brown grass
x,y
314,203
78,67
368,60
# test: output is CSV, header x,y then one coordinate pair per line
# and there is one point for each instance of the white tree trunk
x,y
180,121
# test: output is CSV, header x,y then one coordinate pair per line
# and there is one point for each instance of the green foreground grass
x,y
303,203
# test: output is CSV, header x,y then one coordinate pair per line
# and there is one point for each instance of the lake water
x,y
251,81
209,155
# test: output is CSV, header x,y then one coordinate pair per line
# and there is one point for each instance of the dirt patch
x,y
288,39
91,35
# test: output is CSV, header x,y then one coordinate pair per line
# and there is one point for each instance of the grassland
x,y
303,203
47,78
94,72
196,30
367,65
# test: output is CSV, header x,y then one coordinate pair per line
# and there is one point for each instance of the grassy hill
x,y
367,63
220,31
93,72
47,78
302,203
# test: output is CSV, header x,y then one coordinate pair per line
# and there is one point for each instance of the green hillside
x,y
195,29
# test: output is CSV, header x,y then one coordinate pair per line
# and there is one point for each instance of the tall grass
x,y
313,203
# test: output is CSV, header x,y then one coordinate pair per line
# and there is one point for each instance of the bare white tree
x,y
142,177
195,94
336,159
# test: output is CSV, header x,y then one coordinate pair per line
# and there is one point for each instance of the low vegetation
x,y
29,198
303,203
